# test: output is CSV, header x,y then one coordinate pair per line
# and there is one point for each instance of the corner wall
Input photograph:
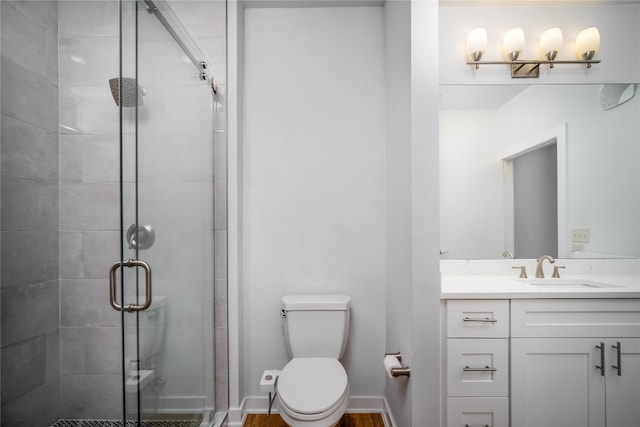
x,y
398,318
425,262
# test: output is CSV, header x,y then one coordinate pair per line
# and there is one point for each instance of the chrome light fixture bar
x,y
587,45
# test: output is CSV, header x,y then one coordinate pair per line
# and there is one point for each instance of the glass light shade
x,y
477,43
588,43
513,43
551,42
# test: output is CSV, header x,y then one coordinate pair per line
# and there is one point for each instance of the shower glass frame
x,y
166,181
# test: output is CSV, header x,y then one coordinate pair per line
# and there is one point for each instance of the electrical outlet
x,y
581,235
268,381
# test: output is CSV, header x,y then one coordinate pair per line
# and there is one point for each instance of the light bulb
x,y
588,43
513,43
477,43
550,43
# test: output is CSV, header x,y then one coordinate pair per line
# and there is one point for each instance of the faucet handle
x,y
556,272
523,271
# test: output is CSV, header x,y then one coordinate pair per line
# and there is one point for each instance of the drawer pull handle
x,y
485,369
601,366
618,367
479,319
486,425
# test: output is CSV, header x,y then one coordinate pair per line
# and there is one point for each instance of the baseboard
x,y
387,415
237,415
357,404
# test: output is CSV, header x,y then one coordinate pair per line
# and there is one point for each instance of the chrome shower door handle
x,y
113,289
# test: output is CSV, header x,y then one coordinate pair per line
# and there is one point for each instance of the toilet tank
x,y
316,325
147,333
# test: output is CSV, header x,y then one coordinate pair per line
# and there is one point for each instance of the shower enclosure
x,y
112,213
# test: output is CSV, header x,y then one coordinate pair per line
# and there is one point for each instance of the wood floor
x,y
348,420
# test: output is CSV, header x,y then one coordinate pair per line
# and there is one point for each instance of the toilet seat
x,y
310,388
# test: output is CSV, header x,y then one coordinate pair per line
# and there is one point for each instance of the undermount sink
x,y
566,283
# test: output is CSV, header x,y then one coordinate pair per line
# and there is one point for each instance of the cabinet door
x,y
623,382
556,382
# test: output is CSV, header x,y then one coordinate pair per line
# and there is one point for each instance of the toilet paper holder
x,y
399,372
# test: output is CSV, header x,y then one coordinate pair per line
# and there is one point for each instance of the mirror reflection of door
x,y
535,183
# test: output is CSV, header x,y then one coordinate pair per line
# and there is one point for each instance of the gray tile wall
x,y
59,210
90,384
30,334
89,237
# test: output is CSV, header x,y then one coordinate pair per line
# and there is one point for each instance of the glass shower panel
x,y
168,223
129,289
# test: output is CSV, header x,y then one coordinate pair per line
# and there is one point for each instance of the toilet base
x,y
331,420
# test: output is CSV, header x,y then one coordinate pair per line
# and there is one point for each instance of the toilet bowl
x,y
313,392
313,388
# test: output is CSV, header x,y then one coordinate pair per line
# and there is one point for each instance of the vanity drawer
x,y
478,412
477,318
477,367
577,318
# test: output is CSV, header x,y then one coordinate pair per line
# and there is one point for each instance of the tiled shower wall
x,y
59,227
89,208
29,218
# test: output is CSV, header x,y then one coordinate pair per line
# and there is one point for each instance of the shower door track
x,y
162,11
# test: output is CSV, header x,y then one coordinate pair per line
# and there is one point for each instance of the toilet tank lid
x,y
315,302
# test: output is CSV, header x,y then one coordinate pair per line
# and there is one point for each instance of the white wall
x,y
619,33
398,202
314,179
471,183
425,278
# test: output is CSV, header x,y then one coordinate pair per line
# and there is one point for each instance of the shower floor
x,y
118,423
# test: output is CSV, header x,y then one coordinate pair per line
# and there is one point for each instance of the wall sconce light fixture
x,y
477,44
551,43
587,45
513,43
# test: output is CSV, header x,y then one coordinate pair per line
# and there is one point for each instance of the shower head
x,y
130,92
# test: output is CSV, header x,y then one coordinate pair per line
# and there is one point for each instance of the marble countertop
x,y
498,280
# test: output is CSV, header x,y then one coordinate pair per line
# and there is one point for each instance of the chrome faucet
x,y
539,272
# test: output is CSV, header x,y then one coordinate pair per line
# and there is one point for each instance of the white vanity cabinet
x,y
477,363
543,362
575,363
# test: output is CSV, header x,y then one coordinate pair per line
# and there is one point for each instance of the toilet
x,y
313,389
146,336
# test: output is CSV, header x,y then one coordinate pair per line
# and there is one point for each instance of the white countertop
x,y
498,280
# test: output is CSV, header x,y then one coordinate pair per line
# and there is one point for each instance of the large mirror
x,y
568,156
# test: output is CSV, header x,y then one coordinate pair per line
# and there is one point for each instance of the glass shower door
x,y
165,274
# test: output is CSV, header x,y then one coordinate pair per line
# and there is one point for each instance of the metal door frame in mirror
x,y
557,135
